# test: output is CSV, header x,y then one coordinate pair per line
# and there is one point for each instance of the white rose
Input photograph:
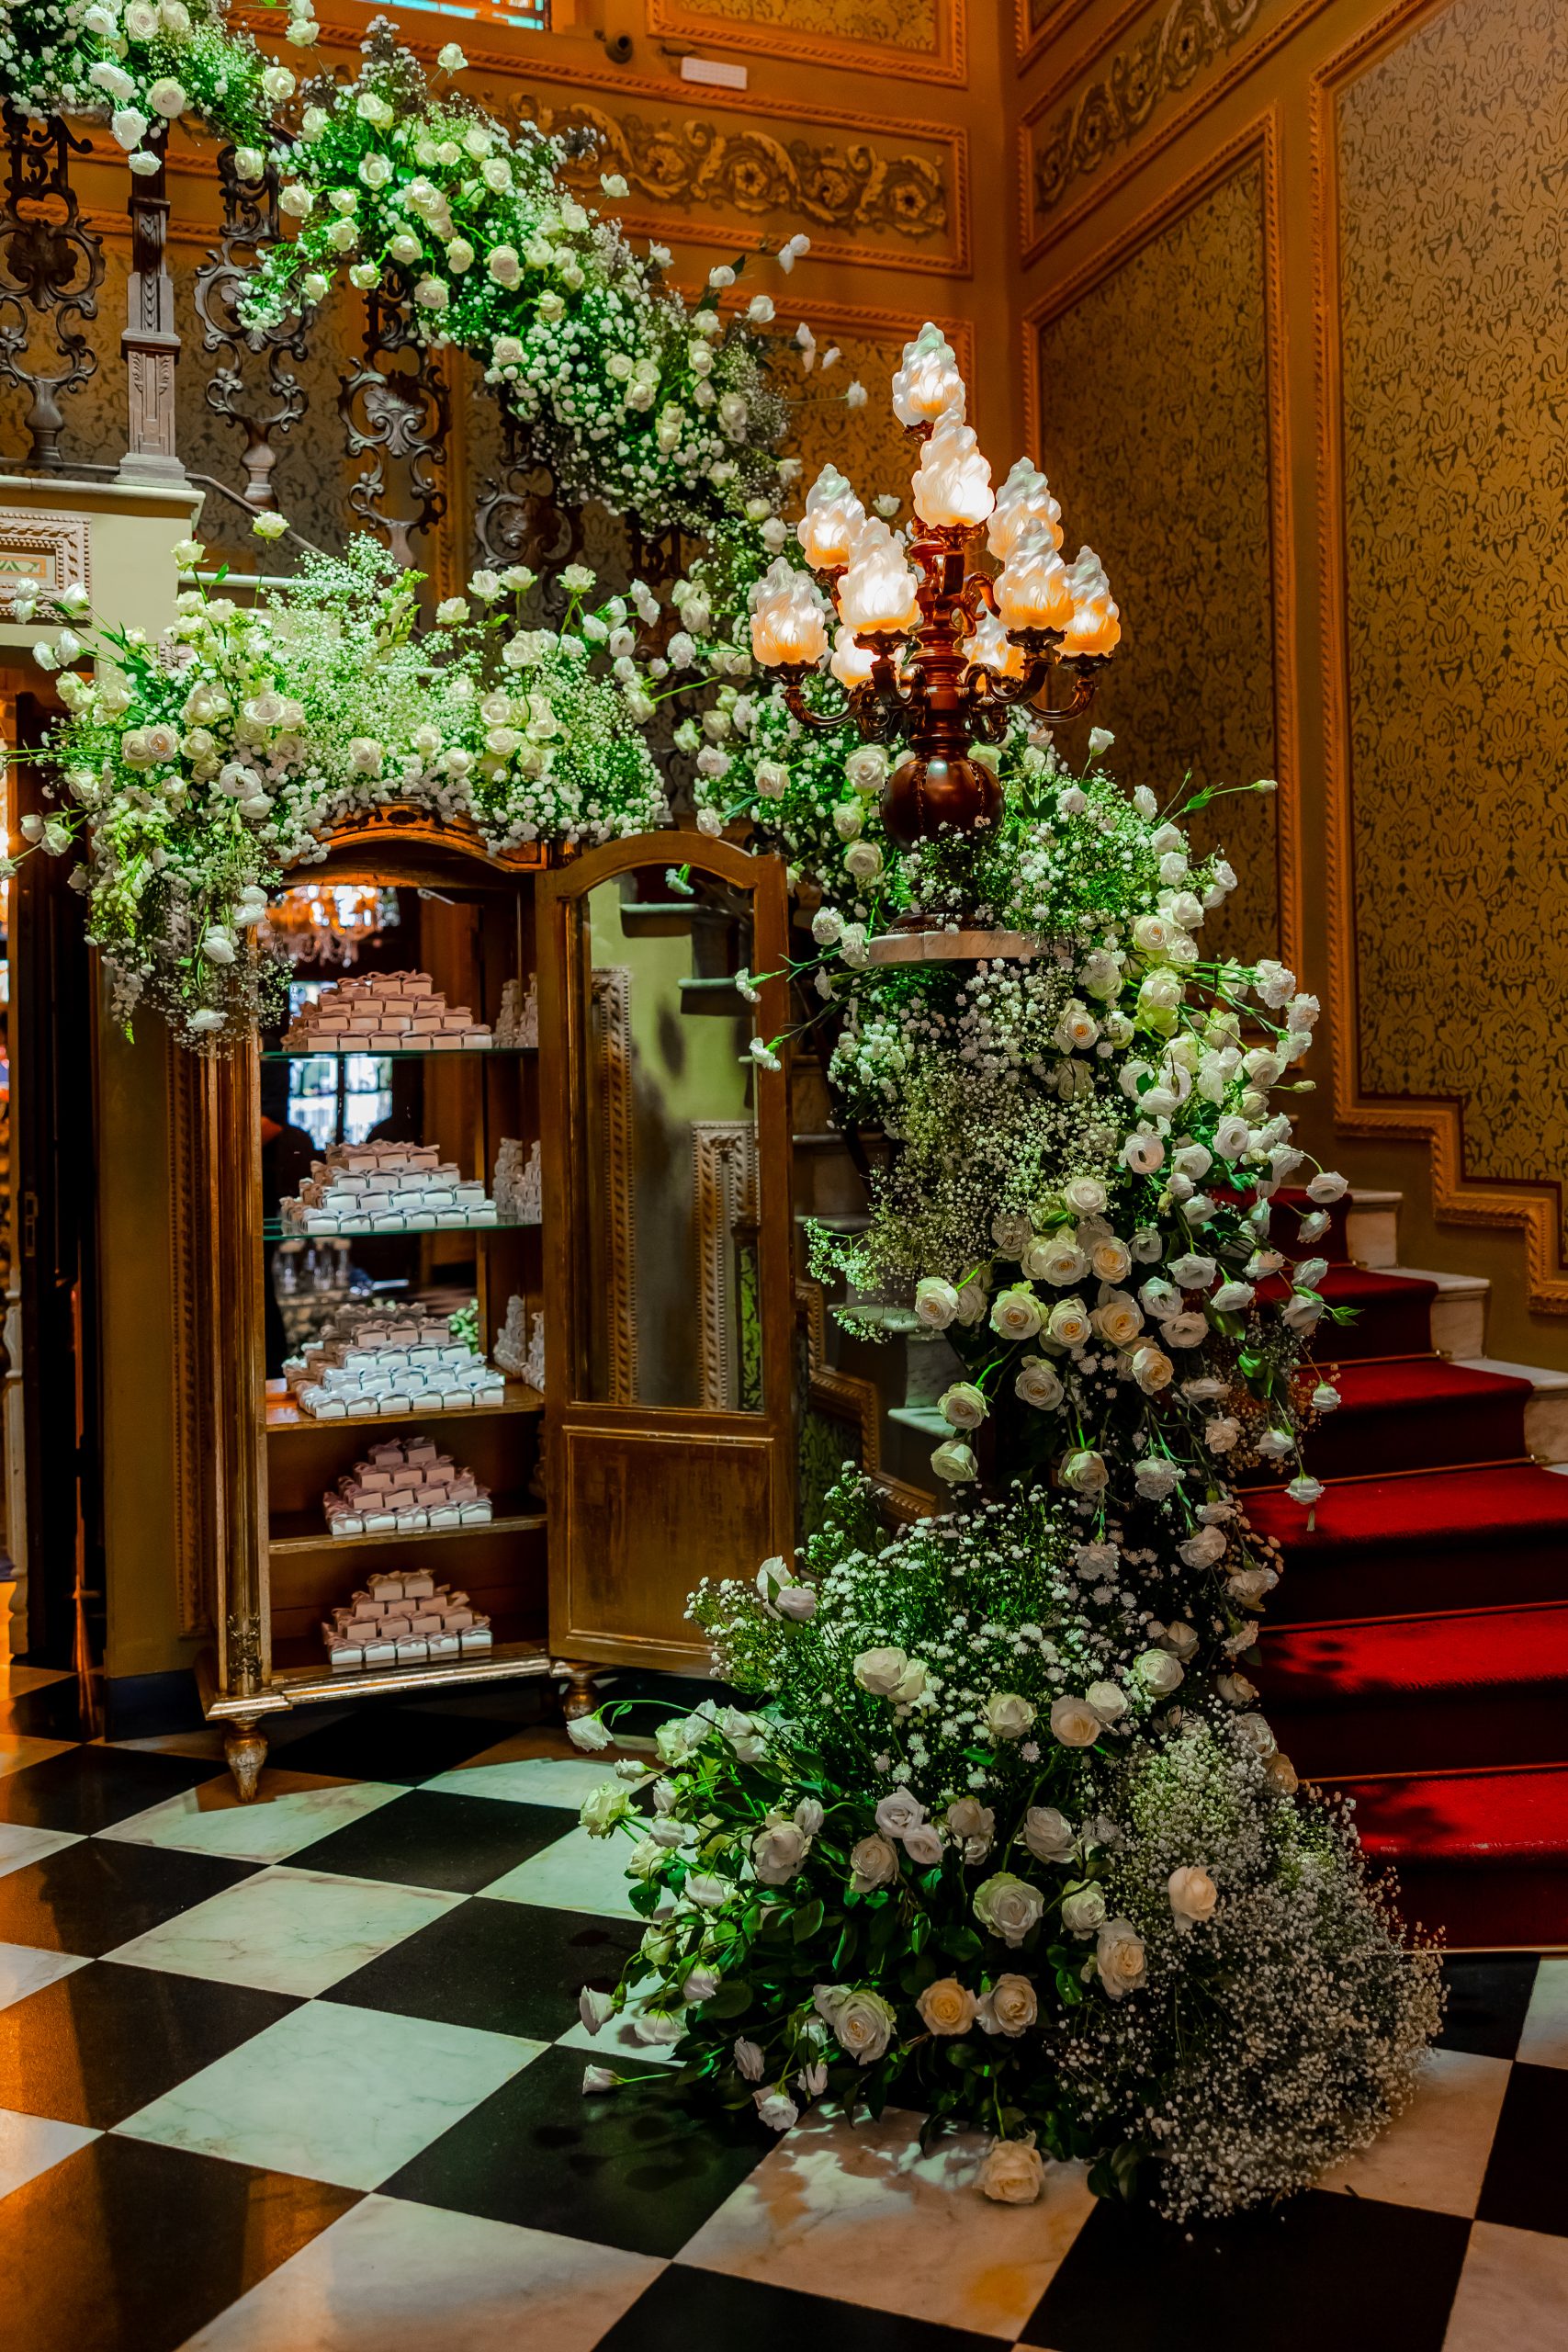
x,y
899,1811
889,1673
1152,1369
1084,1472
962,1406
1193,1896
603,1807
972,1825
1083,1912
1159,1672
1108,1699
1070,1323
1037,1385
1254,1735
1012,2173
778,1853
1111,1260
1186,1330
777,2109
874,1862
589,1734
1119,1320
946,2006
1007,1716
1119,1958
1007,1907
954,1464
862,2021
1075,1723
863,861
1011,1232
936,1302
1047,1833
1008,2007
1056,1260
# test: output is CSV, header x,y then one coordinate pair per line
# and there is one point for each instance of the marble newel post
x,y
150,344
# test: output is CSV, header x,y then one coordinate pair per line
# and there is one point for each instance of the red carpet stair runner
x,y
1416,1653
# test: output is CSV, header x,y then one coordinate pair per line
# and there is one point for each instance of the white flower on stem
x,y
874,1862
596,2080
962,1406
955,1463
777,2109
1326,1188
749,2060
862,2021
594,2008
1075,1723
269,526
1119,1958
1048,1834
1013,2172
1037,1383
1007,1907
946,2006
1007,1716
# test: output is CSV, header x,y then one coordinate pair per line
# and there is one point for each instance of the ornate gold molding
x,y
850,186
724,1194
612,1059
41,551
806,34
1258,144
1534,1208
1038,234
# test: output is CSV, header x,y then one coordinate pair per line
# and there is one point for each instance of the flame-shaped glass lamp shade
x,y
927,386
789,619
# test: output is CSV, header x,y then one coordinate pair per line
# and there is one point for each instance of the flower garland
x,y
205,767
664,413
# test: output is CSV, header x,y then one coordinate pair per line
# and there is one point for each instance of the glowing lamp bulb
x,y
927,385
1023,504
789,619
991,648
1033,590
834,514
953,482
1096,626
852,662
878,591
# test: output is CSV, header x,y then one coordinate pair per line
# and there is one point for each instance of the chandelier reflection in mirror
x,y
930,652
330,922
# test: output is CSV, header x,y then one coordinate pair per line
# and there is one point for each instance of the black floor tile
x,y
89,1897
93,1788
641,2169
428,1838
398,1743
683,2310
1527,2179
1323,2270
130,2247
503,1967
108,2038
1488,1995
52,1712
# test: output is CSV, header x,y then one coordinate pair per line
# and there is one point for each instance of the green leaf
x,y
807,1920
733,1996
960,1943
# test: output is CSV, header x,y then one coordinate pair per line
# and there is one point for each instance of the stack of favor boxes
x,y
386,1012
369,1363
385,1188
406,1620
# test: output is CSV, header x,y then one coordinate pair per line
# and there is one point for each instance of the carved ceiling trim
x,y
1535,1208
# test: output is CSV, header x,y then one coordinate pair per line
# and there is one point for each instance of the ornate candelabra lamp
x,y
930,652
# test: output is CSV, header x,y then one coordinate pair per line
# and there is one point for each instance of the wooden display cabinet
x,y
664,1449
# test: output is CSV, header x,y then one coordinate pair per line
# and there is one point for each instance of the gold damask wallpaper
x,y
1455,353
1171,487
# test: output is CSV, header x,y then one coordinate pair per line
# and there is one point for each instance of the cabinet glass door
x,y
667,1193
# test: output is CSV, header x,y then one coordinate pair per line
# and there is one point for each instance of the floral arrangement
x,y
206,767
976,1857
1007,1838
664,412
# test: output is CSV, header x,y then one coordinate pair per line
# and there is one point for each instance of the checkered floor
x,y
305,2075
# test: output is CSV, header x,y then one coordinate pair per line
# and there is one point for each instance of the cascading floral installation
x,y
663,412
1009,1841
204,768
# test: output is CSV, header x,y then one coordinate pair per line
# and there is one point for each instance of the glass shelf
x,y
273,1230
366,1049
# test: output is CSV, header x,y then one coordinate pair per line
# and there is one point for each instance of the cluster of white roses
x,y
203,766
142,63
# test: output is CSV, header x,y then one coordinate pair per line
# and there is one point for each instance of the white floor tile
x,y
526,1780
20,1844
29,2144
1513,2292
1435,2155
861,2215
287,1932
577,1873
1544,2041
284,1818
396,2278
24,1969
334,2093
